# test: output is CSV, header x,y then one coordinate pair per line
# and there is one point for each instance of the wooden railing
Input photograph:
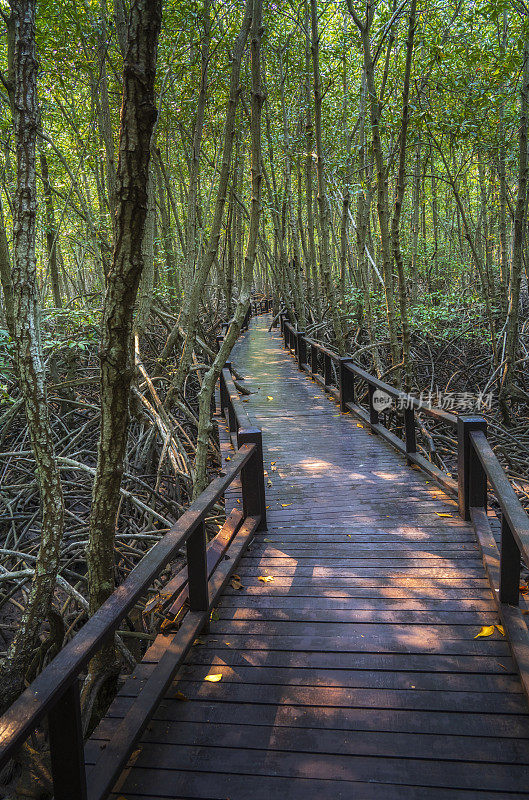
x,y
339,376
54,694
477,467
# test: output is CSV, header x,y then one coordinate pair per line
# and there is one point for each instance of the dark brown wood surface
x,y
355,671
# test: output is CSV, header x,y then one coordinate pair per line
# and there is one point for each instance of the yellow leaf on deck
x,y
285,505
442,514
272,463
180,696
228,458
501,629
269,398
236,583
358,425
265,578
214,678
486,630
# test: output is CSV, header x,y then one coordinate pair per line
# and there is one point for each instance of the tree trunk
x,y
29,360
399,197
323,205
138,116
212,247
212,375
515,275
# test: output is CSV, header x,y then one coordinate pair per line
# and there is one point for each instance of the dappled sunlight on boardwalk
x,y
348,662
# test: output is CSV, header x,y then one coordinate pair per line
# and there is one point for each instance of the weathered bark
x,y
29,360
253,8
138,116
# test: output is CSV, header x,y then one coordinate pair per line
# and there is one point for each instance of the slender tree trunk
x,y
211,377
323,205
215,233
138,116
29,360
51,232
6,278
515,275
399,197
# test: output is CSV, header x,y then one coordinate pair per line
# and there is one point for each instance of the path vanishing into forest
x,y
349,663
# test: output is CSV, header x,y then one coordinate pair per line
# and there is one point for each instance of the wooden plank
x,y
318,740
426,773
355,672
146,783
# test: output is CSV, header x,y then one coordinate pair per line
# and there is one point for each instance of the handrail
x,y
477,466
55,692
342,387
515,522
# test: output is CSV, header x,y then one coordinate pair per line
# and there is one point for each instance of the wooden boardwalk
x,y
353,671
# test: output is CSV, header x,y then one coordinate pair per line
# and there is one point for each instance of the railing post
x,y
347,384
67,746
509,566
282,325
301,348
313,359
373,413
224,396
252,476
327,369
197,570
471,477
409,430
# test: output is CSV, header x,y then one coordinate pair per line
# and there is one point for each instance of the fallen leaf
x,y
267,540
269,398
285,505
214,678
501,629
442,514
269,483
272,463
199,641
236,583
228,458
358,425
486,630
180,696
265,578
214,616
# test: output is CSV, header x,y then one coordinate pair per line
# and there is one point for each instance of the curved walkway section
x,y
348,659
